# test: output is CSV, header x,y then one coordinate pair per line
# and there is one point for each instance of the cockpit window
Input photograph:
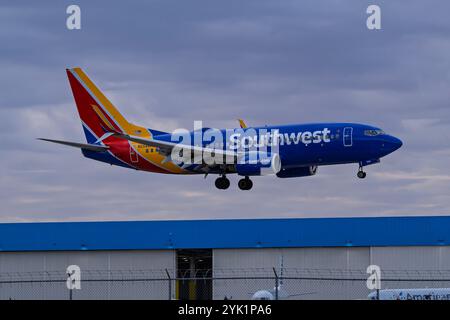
x,y
373,132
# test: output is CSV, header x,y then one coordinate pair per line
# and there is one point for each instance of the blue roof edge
x,y
222,234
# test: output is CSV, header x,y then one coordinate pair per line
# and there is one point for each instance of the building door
x,y
348,136
194,272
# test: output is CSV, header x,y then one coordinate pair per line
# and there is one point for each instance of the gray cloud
x,y
167,63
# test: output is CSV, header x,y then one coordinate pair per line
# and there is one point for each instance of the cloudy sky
x,y
167,63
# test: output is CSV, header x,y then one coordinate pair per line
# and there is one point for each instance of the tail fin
x,y
98,115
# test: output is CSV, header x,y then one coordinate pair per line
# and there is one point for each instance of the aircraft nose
x,y
396,143
392,143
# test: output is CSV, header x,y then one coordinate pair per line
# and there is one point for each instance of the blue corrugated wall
x,y
251,233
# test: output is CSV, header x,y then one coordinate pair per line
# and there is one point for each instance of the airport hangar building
x,y
33,253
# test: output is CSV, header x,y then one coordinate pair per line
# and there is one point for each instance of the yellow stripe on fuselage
x,y
154,157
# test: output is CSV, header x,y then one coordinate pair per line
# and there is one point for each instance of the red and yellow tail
x,y
99,117
97,113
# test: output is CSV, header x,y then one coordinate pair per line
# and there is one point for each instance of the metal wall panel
x,y
411,258
313,258
94,265
444,257
245,263
88,260
261,261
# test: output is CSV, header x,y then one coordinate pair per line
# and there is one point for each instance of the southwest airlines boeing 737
x,y
287,151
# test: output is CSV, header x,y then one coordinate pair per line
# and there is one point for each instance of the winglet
x,y
242,124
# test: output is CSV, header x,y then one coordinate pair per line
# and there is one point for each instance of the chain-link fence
x,y
218,284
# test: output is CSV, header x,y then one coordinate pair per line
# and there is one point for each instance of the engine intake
x,y
259,164
297,172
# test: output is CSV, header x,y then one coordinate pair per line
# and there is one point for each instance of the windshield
x,y
373,132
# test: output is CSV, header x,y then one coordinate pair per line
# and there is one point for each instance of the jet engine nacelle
x,y
297,172
259,164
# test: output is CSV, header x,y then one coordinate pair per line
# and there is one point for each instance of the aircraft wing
x,y
86,146
165,148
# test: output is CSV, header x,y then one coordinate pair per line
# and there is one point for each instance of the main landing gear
x,y
223,183
245,184
361,174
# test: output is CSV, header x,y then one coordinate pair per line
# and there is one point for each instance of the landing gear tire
x,y
361,174
245,184
222,183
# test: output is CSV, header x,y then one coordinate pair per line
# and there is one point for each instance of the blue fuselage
x,y
316,144
347,143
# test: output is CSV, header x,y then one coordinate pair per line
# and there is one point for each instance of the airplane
x,y
277,293
411,294
286,151
272,294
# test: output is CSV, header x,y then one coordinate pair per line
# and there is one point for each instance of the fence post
x,y
276,283
170,284
70,288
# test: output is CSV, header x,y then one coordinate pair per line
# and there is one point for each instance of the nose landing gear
x,y
245,184
361,174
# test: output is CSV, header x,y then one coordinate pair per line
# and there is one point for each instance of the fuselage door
x,y
133,155
348,136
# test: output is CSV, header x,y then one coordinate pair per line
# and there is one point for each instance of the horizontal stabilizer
x,y
85,146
